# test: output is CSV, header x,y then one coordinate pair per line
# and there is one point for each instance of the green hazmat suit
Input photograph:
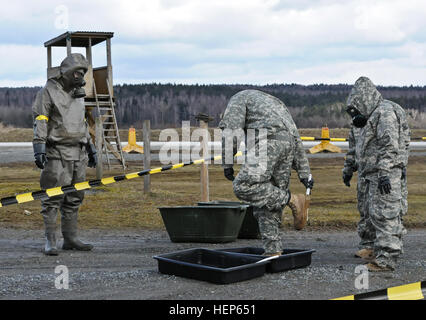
x,y
61,130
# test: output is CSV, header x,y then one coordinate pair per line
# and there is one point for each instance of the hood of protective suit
x,y
364,97
74,62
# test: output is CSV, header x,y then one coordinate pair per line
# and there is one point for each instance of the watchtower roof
x,y
79,38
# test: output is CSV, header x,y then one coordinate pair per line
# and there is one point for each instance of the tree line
x,y
167,105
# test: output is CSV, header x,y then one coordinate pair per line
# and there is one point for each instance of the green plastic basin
x,y
211,224
249,228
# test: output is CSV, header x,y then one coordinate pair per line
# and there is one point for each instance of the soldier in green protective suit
x,y
63,149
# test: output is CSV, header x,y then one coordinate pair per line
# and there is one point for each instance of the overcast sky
x,y
225,41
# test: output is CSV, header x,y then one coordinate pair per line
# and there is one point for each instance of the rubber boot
x,y
50,248
49,219
71,242
69,232
297,205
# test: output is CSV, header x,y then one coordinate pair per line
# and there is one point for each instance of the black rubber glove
x,y
40,155
229,173
308,183
347,179
384,185
93,158
404,173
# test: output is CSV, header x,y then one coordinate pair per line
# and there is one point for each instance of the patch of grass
x,y
124,205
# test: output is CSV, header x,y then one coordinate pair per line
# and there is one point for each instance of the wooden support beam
x,y
147,154
204,174
68,46
89,51
98,145
109,64
112,150
49,57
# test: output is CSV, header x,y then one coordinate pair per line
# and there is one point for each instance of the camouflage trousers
x,y
269,223
384,218
365,230
61,173
264,182
365,233
404,194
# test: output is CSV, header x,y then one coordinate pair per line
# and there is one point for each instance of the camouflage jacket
x,y
254,109
351,160
383,142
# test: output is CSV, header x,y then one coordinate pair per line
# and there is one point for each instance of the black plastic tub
x,y
211,224
211,265
250,227
290,258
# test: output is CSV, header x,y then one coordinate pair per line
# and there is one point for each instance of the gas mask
x,y
75,81
358,120
78,84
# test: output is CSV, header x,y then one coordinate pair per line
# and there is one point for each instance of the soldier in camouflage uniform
x,y
383,156
264,181
350,166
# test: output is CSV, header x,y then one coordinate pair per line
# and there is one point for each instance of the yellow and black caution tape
x,y
412,291
48,193
343,139
323,139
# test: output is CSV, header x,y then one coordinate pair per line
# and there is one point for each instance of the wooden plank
x,y
89,51
68,46
88,77
112,150
49,57
98,145
100,75
147,154
109,66
204,174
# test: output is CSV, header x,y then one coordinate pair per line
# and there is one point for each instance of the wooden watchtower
x,y
99,100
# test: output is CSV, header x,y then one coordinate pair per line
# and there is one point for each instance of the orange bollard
x,y
132,147
325,145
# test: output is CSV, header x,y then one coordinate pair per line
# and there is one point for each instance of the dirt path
x,y
121,267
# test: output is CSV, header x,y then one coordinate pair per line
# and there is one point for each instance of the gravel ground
x,y
121,267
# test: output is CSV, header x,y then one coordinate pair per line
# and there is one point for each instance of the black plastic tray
x,y
290,258
211,265
250,227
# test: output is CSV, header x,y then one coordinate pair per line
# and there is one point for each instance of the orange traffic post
x,y
132,147
325,145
